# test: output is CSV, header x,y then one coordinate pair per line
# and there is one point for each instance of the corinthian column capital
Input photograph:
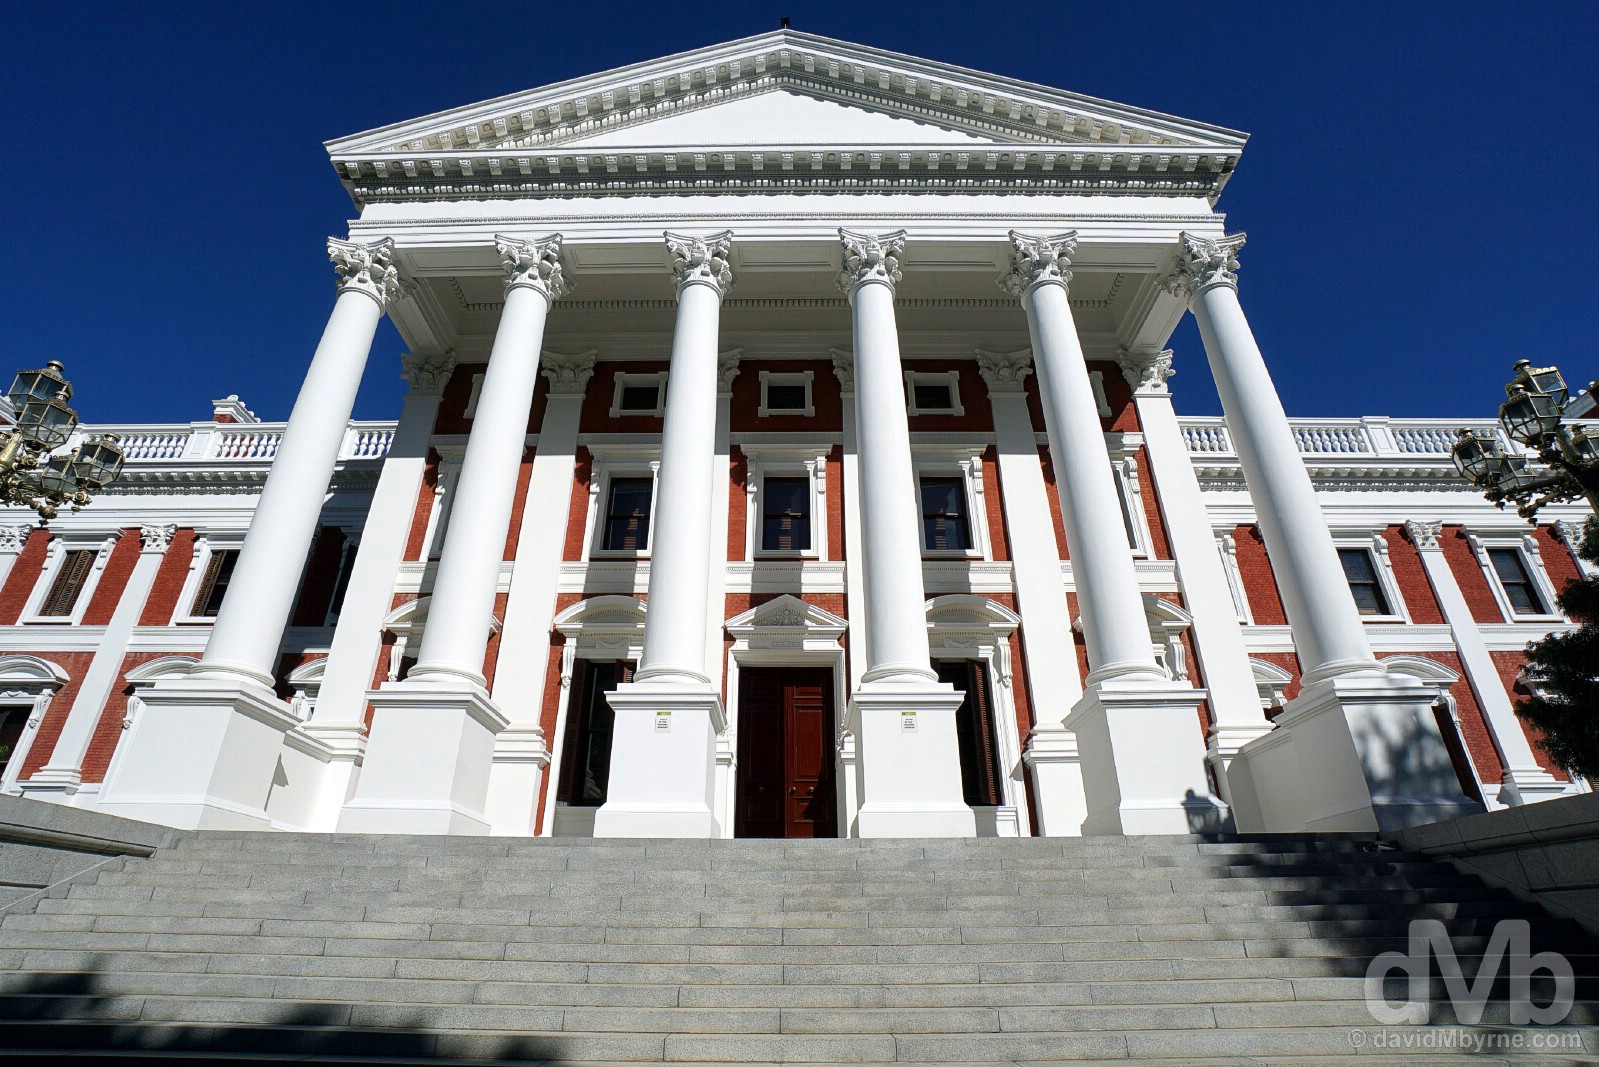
x,y
870,257
156,537
368,267
1036,261
1203,262
701,260
1423,534
533,264
1005,372
568,375
427,373
1146,371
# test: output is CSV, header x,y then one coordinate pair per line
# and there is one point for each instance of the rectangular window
x,y
586,761
784,397
786,515
214,586
69,583
1516,581
944,525
627,518
931,396
12,721
640,398
1361,574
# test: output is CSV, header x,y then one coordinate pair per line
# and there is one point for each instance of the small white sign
x,y
907,722
663,722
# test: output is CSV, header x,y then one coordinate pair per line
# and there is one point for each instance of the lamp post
x,y
1531,415
42,422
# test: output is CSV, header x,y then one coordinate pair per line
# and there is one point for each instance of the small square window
x,y
931,396
786,394
785,397
944,525
786,515
639,394
928,393
1361,574
627,517
1516,581
640,398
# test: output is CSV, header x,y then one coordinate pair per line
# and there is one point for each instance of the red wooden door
x,y
785,754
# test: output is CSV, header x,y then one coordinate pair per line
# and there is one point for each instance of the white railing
x,y
1377,436
234,442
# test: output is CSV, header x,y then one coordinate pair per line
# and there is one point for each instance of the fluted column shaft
x,y
1108,599
1327,629
674,630
460,613
248,630
891,563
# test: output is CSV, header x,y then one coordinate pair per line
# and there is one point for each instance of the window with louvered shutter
x,y
944,515
627,519
786,515
69,583
214,585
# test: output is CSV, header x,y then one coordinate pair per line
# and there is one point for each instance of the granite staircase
x,y
230,946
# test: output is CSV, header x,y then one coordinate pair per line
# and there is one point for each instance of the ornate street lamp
x,y
1531,415
42,422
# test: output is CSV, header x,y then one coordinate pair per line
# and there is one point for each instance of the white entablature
x,y
786,108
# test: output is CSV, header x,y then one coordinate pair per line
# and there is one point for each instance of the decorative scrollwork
x,y
1203,263
568,375
701,260
1146,370
870,257
367,267
533,264
1423,534
1036,261
427,374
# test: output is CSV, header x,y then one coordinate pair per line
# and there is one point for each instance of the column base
x,y
427,761
1143,760
663,762
1527,785
339,747
909,761
1224,743
1057,771
515,775
1357,752
52,783
202,755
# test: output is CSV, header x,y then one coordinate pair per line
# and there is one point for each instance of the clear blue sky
x,y
1419,189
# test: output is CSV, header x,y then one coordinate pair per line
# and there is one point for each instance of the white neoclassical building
x,y
789,451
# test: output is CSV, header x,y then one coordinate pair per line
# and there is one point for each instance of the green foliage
x,y
1565,667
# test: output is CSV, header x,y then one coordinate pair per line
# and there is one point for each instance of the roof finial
x,y
782,23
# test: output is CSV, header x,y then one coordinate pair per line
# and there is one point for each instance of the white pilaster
x,y
224,719
902,717
63,773
1236,716
1048,649
521,751
340,722
1357,749
1143,760
1524,781
432,742
663,749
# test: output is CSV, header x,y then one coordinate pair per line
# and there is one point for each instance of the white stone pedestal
x,y
1057,771
909,760
1355,752
425,758
1143,759
202,756
514,778
663,762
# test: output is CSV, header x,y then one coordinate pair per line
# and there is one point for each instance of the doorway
x,y
786,783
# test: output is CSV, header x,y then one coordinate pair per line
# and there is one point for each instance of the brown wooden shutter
x,y
218,569
69,583
987,770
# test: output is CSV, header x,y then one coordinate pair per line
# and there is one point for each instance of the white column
x,y
663,749
432,741
1143,760
902,717
62,774
1357,749
1523,781
340,722
1053,683
521,751
224,718
1236,715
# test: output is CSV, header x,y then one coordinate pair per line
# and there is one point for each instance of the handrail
x,y
1375,435
233,442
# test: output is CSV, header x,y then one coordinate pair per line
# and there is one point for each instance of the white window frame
x,y
804,378
1531,558
204,546
623,379
807,463
607,467
100,544
952,378
966,464
1375,546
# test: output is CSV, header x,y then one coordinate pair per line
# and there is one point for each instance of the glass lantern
x,y
46,383
1583,448
1478,457
97,462
55,481
1537,396
46,424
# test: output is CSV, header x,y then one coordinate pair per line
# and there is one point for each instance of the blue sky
x,y
1418,190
